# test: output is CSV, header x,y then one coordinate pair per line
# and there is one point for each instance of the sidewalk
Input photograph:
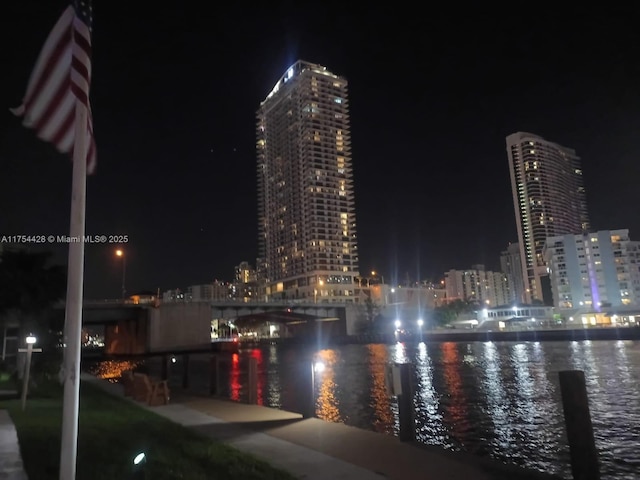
x,y
313,449
11,467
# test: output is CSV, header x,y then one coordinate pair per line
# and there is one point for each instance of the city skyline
x,y
174,104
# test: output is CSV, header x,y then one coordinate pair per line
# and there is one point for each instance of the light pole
x,y
374,273
30,340
120,253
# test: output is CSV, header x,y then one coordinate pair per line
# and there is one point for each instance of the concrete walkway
x,y
11,467
315,449
310,449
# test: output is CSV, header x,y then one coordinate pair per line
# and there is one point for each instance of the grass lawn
x,y
112,431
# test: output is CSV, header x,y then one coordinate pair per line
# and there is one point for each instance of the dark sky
x,y
432,98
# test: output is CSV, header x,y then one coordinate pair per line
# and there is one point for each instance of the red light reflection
x,y
235,385
456,408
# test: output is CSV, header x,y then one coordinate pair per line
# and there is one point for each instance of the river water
x,y
496,399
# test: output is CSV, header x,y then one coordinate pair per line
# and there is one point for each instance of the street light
x,y
120,253
373,274
30,340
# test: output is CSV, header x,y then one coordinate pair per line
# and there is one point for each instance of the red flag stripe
x,y
65,131
41,121
60,79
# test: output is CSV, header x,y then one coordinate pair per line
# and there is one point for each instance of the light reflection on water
x,y
327,406
498,399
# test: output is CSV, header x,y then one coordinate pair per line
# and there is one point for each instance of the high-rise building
x,y
477,285
511,266
549,200
306,206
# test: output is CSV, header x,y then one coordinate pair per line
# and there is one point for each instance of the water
x,y
496,399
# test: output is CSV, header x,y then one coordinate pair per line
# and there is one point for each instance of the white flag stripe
x,y
66,108
66,143
61,78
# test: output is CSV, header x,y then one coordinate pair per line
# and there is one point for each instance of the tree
x,y
370,319
449,312
29,286
444,315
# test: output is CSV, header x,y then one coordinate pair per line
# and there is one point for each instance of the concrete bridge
x,y
139,328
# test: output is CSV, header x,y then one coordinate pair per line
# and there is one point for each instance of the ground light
x,y
138,470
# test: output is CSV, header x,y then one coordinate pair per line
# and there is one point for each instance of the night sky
x,y
432,98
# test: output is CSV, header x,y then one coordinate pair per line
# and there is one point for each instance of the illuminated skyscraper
x,y
306,207
549,200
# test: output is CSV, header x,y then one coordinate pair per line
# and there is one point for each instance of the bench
x,y
127,383
151,392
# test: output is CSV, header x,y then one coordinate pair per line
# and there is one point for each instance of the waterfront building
x,y
306,205
207,292
596,273
173,295
515,317
198,293
477,285
549,199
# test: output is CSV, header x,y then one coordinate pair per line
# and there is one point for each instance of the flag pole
x,y
73,313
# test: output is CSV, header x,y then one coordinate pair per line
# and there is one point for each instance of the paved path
x,y
315,449
10,459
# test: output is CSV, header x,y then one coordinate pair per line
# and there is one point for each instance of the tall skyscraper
x,y
306,206
549,200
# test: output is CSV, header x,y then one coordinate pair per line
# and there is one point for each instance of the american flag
x,y
60,78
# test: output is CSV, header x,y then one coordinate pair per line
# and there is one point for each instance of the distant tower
x,y
306,207
511,266
549,200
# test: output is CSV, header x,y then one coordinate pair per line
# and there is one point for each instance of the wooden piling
x,y
406,409
582,447
307,391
